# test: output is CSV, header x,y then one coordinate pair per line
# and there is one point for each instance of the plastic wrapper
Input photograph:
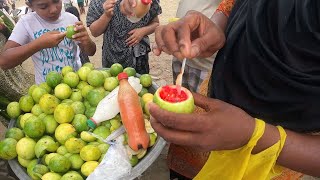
x,y
115,164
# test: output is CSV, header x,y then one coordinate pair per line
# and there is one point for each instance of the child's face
x,y
48,10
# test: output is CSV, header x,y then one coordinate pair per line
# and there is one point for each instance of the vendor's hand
x,y
135,36
192,36
51,39
108,7
128,5
82,34
221,127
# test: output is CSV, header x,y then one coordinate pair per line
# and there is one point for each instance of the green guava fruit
x,y
70,31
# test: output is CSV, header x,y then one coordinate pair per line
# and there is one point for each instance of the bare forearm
x,y
12,57
150,28
99,26
300,152
89,48
220,20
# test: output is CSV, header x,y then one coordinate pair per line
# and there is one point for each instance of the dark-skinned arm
x,y
300,152
218,129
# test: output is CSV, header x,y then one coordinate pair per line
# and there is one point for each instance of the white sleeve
x,y
20,34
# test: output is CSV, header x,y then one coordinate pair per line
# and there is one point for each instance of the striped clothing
x,y
192,77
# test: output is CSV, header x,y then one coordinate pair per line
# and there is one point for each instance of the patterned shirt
x,y
114,48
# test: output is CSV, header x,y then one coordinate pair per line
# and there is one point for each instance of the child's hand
x,y
82,34
108,7
135,36
51,39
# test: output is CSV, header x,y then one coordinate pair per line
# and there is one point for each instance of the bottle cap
x,y
91,124
122,75
146,2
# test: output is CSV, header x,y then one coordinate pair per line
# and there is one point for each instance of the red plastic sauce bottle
x,y
132,114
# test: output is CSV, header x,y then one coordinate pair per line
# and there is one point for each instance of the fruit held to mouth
x,y
168,98
70,31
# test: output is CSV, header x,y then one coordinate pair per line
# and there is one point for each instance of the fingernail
x,y
182,45
195,51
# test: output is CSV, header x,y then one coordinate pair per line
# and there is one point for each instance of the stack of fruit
x,y
51,139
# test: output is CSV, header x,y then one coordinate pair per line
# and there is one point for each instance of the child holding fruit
x,y
84,58
41,35
124,42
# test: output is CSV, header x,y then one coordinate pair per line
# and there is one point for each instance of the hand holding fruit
x,y
108,7
81,34
135,36
222,127
192,36
51,39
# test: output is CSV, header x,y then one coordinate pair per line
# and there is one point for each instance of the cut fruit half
x,y
168,98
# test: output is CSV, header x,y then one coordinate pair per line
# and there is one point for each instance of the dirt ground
x,y
160,69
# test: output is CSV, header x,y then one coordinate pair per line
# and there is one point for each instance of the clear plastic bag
x,y
115,164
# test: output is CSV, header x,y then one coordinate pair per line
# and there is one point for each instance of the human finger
x,y
134,43
202,101
108,7
132,31
130,38
156,51
81,39
78,23
79,34
184,38
54,32
185,138
79,28
159,38
110,11
183,122
170,41
109,2
61,35
129,43
207,44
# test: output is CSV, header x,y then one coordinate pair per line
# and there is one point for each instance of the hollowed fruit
x,y
168,98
